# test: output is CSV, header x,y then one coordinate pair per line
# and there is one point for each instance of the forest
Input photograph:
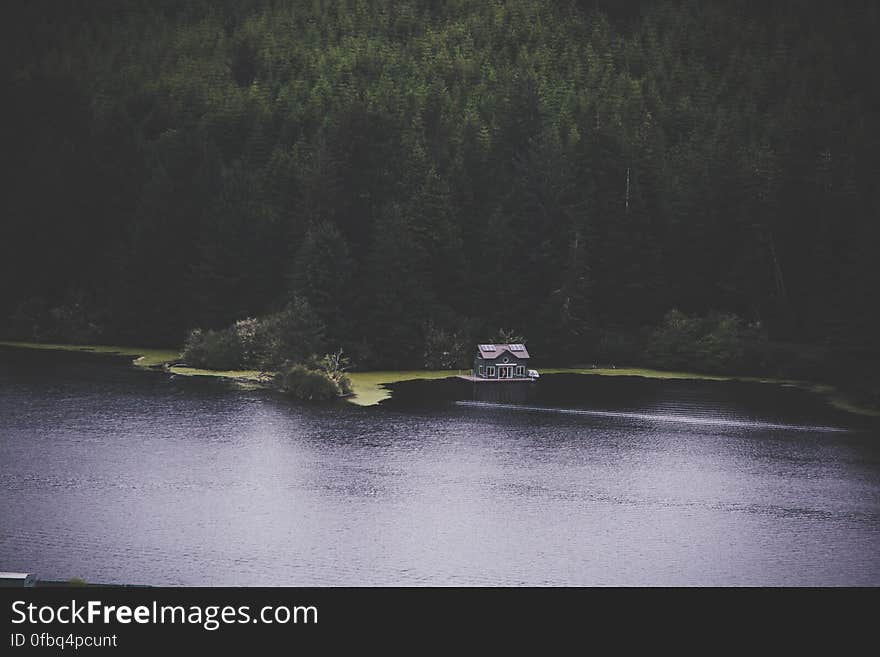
x,y
417,176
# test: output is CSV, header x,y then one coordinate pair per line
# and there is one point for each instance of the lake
x,y
119,475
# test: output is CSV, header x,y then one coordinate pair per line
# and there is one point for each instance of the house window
x,y
520,370
482,370
490,371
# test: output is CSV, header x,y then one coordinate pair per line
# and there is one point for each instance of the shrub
x,y
716,343
344,383
334,366
307,384
723,344
251,342
291,335
673,343
214,350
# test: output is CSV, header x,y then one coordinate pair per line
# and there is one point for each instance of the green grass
x,y
665,374
143,356
635,371
369,387
840,401
831,394
149,358
844,404
253,376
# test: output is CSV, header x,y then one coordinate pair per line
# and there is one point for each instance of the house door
x,y
505,372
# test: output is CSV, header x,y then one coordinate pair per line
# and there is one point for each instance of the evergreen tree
x,y
322,274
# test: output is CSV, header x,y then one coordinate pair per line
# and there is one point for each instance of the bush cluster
x,y
284,342
307,384
718,342
213,350
293,334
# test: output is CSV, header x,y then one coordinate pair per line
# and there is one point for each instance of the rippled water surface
x,y
118,475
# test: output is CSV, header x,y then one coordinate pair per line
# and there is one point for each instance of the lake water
x,y
115,474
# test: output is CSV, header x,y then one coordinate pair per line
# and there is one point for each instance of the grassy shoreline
x,y
370,388
143,356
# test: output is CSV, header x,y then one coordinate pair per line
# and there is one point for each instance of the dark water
x,y
119,475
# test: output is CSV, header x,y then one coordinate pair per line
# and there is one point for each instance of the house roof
x,y
494,350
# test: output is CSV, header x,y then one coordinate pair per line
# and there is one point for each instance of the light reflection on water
x,y
117,475
674,418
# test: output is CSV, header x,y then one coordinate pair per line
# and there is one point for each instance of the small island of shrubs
x,y
285,343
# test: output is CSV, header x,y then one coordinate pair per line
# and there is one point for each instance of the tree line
x,y
419,175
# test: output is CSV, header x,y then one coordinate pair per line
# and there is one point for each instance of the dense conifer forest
x,y
414,176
